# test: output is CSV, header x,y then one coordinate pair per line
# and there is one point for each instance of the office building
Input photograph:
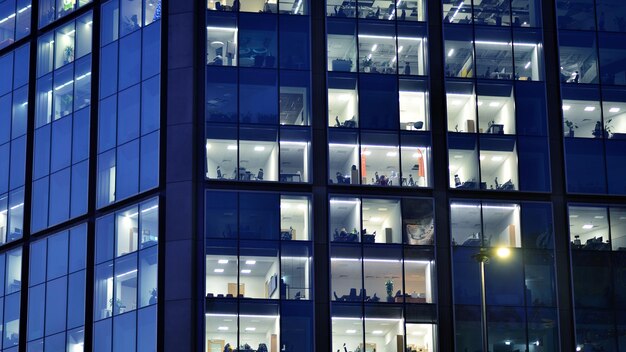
x,y
295,175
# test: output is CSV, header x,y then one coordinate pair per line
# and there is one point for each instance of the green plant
x,y
69,54
389,288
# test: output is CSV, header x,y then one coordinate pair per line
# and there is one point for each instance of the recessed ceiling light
x,y
497,158
350,331
367,153
494,104
250,262
223,261
376,219
590,108
566,107
598,217
458,156
250,329
246,271
614,110
222,328
573,216
507,342
382,209
480,103
218,270
391,154
377,332
259,148
587,227
374,47
482,157
232,147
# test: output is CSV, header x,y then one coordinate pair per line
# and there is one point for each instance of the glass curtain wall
x,y
258,91
56,293
14,69
593,87
598,248
62,105
10,298
520,289
495,95
125,279
377,93
129,101
258,270
14,21
383,289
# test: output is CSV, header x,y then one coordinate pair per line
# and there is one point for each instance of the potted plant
x,y
117,305
570,126
68,54
389,288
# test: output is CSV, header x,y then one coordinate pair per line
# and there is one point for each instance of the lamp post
x,y
482,257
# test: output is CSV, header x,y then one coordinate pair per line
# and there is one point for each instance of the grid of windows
x,y
61,147
56,293
55,123
13,117
520,289
129,102
258,246
125,279
382,293
378,118
14,21
598,246
258,87
10,287
496,108
591,34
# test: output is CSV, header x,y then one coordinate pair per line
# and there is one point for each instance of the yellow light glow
x,y
503,252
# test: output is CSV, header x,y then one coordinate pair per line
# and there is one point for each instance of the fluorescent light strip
x,y
456,12
224,29
241,316
151,208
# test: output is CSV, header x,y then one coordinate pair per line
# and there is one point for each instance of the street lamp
x,y
482,257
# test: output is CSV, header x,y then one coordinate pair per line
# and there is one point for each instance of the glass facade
x,y
287,175
56,291
129,100
10,299
520,290
61,156
593,77
597,249
13,120
73,277
125,279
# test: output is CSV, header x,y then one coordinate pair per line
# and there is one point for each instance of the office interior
x,y
383,334
410,10
497,164
497,224
597,228
258,273
594,119
517,13
293,7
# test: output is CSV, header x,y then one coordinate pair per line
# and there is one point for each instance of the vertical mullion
x,y
90,235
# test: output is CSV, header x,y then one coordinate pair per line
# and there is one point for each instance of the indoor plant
x,y
389,288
